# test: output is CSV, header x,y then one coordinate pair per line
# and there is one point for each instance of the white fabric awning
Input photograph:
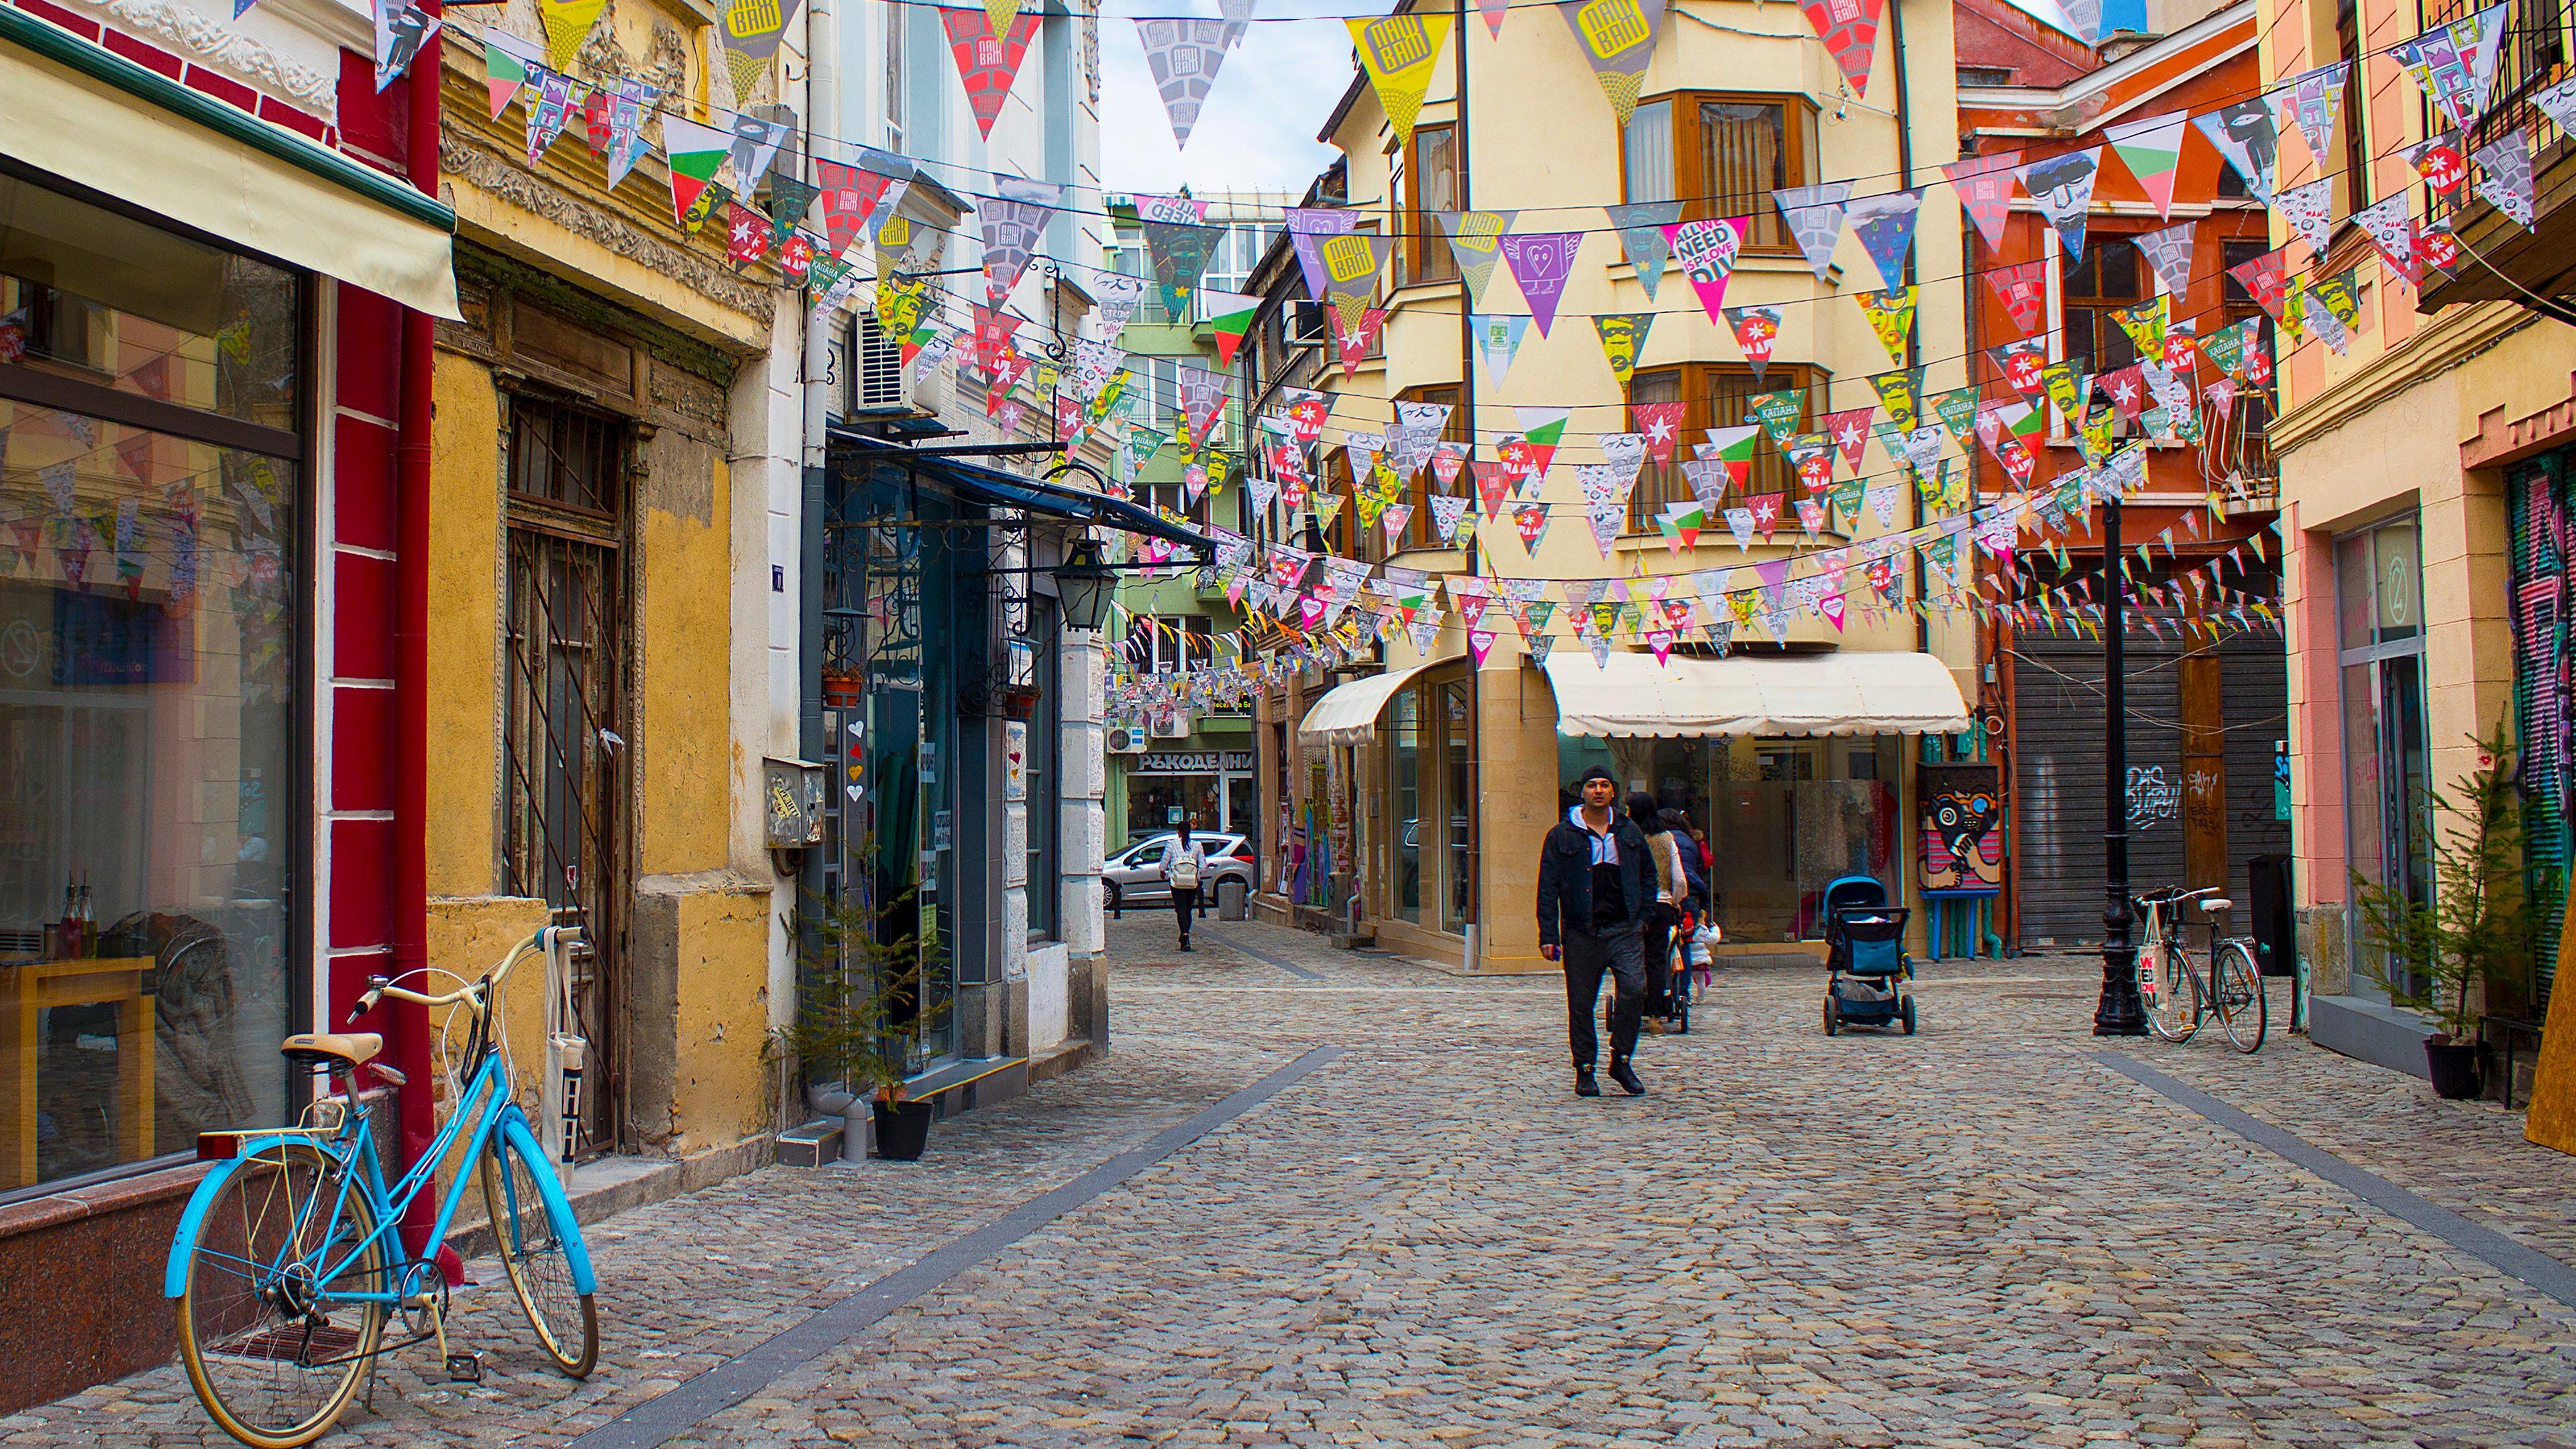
x,y
93,117
1347,714
1842,693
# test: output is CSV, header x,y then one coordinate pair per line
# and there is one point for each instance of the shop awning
x,y
1847,692
977,483
95,118
1347,714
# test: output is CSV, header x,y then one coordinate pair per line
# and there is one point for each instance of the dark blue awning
x,y
975,482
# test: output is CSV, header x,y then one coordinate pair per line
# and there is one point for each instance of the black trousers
x,y
1657,943
1620,956
1185,902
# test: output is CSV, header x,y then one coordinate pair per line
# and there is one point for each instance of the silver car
x,y
1135,875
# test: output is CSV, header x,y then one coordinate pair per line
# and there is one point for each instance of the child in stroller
x,y
1690,964
1865,957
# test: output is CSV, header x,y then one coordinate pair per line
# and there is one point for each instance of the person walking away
x,y
1694,906
1663,913
1594,884
1182,866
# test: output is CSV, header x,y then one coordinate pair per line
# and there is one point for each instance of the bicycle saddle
x,y
331,1048
2212,905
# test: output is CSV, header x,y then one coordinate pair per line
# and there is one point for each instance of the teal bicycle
x,y
289,1263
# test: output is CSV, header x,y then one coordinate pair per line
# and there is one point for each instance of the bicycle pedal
x,y
465,1368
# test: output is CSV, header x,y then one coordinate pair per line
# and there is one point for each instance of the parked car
x,y
1134,876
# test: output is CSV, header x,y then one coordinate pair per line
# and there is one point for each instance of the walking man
x,y
1593,885
1181,867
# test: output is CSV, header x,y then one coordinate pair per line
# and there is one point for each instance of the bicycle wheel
x,y
2176,1014
532,1254
273,1357
2242,1009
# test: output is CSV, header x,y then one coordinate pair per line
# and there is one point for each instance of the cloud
x,y
1257,129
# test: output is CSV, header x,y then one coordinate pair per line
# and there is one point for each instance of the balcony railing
x,y
2537,51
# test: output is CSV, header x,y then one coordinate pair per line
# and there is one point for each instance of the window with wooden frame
x,y
2108,278
1721,155
2356,150
1419,530
1719,395
1429,181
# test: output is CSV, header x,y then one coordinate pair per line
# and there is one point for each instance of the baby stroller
x,y
1865,956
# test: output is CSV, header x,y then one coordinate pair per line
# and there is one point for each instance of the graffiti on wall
x,y
1959,842
2544,536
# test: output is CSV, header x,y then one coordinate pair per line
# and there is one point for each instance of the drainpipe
x,y
822,112
411,668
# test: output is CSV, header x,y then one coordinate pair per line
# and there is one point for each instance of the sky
x,y
1257,130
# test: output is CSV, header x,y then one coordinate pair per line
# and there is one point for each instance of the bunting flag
x,y
1884,223
1000,13
1229,316
567,24
1734,453
2558,103
1449,515
634,100
2066,386
1352,341
1780,411
2023,289
1756,330
2455,64
1013,222
1623,341
1542,429
546,117
1707,251
507,63
2391,229
1351,266
986,63
2022,363
1849,430
746,235
403,27
1498,341
751,31
1849,29
695,152
1177,253
2439,162
1238,19
1398,52
1116,298
2168,254
2266,279
1183,56
1660,423
1985,187
2308,210
1815,218
1680,523
1475,239
1308,228
2145,325
1493,11
851,195
1891,316
1643,240
2062,187
1541,262
1605,503
2505,178
1618,38
1898,392
2152,149
2314,98
2249,137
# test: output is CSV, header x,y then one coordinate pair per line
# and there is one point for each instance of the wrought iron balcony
x,y
2499,260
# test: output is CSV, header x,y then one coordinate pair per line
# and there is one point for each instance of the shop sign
x,y
1193,762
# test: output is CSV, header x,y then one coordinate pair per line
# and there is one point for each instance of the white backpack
x,y
1184,867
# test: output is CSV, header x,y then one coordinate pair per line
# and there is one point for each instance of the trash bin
x,y
1232,896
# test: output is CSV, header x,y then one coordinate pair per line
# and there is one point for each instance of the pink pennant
x,y
1850,431
1661,423
1707,251
1985,187
1480,642
1831,605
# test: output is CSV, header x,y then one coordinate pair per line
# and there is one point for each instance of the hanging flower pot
x,y
842,688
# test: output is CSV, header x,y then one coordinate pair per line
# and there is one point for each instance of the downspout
x,y
410,1022
823,122
1913,346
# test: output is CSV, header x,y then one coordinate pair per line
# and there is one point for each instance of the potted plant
x,y
2445,956
858,1003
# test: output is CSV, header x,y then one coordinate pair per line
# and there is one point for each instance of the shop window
x,y
1404,777
2388,812
1719,395
152,598
1040,780
1721,155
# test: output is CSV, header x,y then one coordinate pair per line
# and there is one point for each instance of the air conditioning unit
x,y
1125,739
1173,724
879,382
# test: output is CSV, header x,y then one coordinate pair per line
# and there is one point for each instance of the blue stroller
x,y
1865,956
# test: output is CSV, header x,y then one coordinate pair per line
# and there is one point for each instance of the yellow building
x,y
1431,783
2425,504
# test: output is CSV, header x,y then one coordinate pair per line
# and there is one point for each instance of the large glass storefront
x,y
152,438
2388,810
1428,787
1215,789
1783,817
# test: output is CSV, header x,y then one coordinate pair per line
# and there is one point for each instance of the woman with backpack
x,y
1182,865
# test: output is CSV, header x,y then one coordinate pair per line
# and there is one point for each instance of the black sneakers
x,y
1626,1076
1584,1085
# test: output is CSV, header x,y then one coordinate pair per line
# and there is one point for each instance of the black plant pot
x,y
2454,1069
903,1130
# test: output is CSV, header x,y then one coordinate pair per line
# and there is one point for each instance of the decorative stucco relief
x,y
216,45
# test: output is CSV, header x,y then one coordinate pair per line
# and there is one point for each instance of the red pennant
x,y
746,234
1353,342
1850,432
987,65
1849,29
1661,422
2023,289
1492,479
1985,187
849,198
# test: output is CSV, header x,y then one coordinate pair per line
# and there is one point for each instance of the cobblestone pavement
x,y
1980,1235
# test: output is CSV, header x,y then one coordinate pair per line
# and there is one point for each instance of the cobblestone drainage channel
x,y
2513,1259
659,1419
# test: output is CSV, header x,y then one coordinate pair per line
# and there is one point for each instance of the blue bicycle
x,y
289,1262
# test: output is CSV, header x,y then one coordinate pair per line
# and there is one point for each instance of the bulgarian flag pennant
x,y
1229,315
695,152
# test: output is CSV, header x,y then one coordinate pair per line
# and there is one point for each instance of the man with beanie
x,y
1593,885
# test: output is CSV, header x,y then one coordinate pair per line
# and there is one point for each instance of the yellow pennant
x,y
1891,316
568,24
1001,13
1397,52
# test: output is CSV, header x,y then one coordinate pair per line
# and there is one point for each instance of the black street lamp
x,y
2119,1013
1085,586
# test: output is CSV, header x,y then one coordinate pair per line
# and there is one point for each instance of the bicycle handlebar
x,y
475,992
2169,897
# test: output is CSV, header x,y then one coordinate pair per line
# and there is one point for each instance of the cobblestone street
x,y
1986,1234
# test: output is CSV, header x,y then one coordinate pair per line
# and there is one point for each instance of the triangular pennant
x,y
1229,317
1238,19
2308,211
696,153
1623,341
2023,289
1177,252
548,113
1891,317
1884,223
507,63
1849,29
1013,224
1985,187
1780,411
1475,239
2152,149
1352,342
1660,423
403,28
986,64
1541,262
2391,229
1708,251
2440,162
1899,392
2062,187
2168,254
1756,330
1642,240
1351,265
2314,98
567,24
1618,38
1182,56
2504,176
1398,52
627,110
1815,218
1498,341
2248,136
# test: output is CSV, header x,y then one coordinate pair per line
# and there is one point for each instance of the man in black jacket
x,y
1594,880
